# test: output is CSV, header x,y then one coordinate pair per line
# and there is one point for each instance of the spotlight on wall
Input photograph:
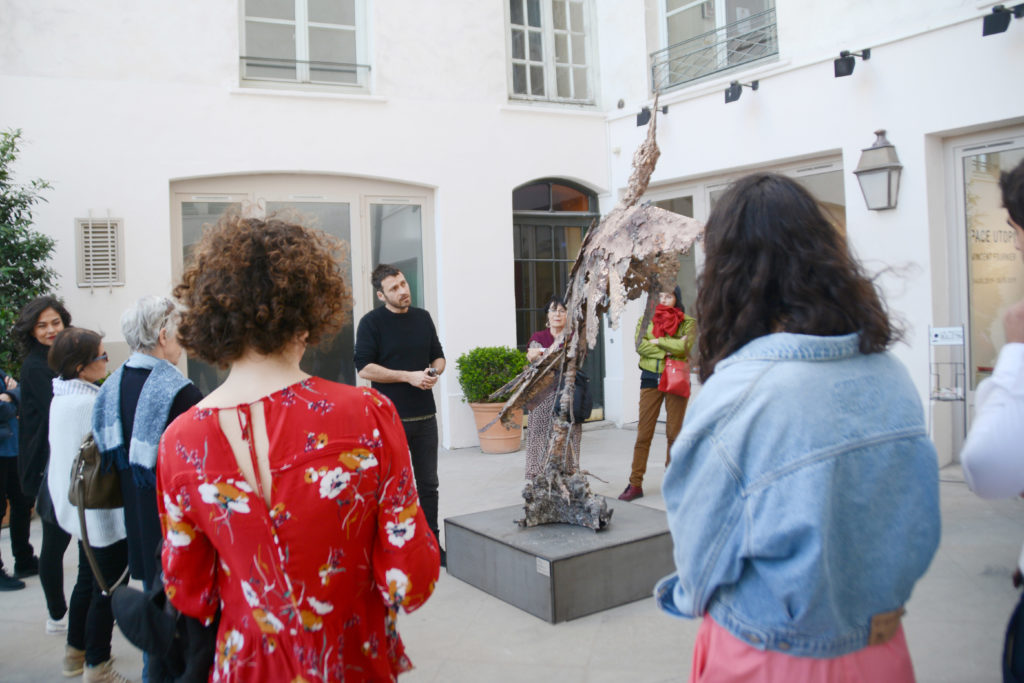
x,y
735,89
847,60
879,174
999,20
644,117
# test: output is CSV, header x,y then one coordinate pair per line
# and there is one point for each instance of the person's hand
x,y
10,382
421,379
656,341
1013,322
533,354
4,398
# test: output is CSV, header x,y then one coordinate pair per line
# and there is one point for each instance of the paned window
x,y
100,252
704,37
305,41
550,50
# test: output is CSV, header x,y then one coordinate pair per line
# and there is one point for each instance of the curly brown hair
x,y
774,262
255,284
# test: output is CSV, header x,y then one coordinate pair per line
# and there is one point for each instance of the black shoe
x,y
9,583
21,571
444,558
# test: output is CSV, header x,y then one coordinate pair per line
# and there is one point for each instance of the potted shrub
x,y
482,371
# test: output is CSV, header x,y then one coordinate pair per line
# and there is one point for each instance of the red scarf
x,y
667,320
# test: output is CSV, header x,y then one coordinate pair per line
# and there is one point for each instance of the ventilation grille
x,y
100,253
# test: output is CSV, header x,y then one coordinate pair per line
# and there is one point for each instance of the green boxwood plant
x,y
485,369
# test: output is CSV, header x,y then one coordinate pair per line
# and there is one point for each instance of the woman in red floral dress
x,y
287,501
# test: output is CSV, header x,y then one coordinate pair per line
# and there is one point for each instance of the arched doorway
x,y
549,219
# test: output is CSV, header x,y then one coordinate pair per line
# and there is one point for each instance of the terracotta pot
x,y
497,438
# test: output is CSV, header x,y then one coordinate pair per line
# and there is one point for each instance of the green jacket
x,y
652,356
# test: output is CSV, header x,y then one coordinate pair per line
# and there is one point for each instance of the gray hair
x,y
141,324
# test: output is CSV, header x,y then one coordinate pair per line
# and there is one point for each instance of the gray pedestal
x,y
557,571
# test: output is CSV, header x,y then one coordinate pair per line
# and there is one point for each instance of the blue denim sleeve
x,y
705,516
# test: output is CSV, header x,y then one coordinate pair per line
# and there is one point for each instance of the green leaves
x,y
25,272
485,369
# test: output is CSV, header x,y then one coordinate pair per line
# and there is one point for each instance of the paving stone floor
x,y
954,622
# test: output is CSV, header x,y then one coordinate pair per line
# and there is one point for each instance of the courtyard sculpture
x,y
631,251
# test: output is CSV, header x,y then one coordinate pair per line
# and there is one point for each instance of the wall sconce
x,y
735,89
879,174
999,20
847,60
644,116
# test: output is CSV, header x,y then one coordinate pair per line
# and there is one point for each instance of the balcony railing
x,y
724,48
297,71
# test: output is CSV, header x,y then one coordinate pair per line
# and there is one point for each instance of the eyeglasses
x,y
102,356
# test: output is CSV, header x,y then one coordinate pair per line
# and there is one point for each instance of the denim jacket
x,y
802,497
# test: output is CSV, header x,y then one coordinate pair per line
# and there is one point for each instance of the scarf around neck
x,y
151,412
667,320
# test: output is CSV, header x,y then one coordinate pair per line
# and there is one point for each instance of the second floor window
x,y
709,36
549,50
305,41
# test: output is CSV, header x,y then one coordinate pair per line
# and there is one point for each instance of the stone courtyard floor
x,y
954,623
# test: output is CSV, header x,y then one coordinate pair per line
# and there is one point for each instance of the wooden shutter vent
x,y
100,252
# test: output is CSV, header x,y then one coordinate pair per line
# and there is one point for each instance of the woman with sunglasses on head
x,y
38,324
802,496
78,358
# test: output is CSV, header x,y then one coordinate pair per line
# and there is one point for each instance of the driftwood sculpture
x,y
634,249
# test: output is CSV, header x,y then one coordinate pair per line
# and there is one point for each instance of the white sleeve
x,y
993,454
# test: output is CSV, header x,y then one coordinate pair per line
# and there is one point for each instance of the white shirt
x,y
993,454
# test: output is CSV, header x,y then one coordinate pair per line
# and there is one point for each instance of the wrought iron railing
x,y
298,71
727,47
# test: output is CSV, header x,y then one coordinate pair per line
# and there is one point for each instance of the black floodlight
x,y
999,20
847,60
735,89
644,117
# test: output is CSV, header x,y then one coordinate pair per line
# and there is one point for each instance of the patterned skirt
x,y
539,430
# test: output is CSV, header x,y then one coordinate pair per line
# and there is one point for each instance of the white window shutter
x,y
100,252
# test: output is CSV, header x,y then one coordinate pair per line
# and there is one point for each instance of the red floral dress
x,y
310,586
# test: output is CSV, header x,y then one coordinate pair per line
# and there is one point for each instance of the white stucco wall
x,y
931,76
118,101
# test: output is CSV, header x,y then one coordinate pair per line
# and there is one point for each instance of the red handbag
x,y
675,378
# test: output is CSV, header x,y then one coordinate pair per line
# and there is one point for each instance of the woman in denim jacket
x,y
803,490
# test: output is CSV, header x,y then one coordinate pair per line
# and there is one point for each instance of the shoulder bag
x,y
675,378
93,489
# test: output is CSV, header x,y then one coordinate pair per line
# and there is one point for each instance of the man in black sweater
x,y
397,349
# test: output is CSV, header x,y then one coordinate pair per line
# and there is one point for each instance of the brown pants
x,y
650,406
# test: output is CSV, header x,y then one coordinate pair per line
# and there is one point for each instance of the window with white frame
x,y
550,47
99,243
318,42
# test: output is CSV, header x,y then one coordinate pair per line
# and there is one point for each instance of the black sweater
x,y
34,428
400,341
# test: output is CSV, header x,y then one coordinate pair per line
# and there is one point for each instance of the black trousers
x,y
90,618
51,568
422,438
21,509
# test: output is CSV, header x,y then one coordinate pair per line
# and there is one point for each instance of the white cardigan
x,y
70,421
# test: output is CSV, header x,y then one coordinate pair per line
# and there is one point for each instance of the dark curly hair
x,y
775,263
254,284
25,325
1012,185
72,350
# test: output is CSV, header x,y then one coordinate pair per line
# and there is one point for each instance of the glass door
x,y
995,276
333,357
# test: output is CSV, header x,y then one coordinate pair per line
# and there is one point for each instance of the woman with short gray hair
x,y
133,408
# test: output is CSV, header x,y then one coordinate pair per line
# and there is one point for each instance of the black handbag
x,y
180,648
582,401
